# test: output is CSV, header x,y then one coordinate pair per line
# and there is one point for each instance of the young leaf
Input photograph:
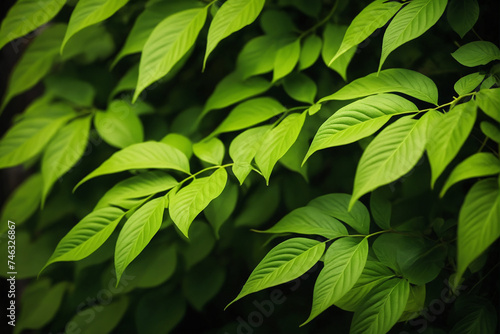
x,y
468,83
29,136
337,206
300,87
286,59
478,223
310,51
168,43
27,15
311,221
477,53
243,148
477,165
250,113
231,17
285,262
137,232
332,38
180,142
371,18
344,262
277,142
90,12
64,151
382,307
445,139
138,186
257,56
358,120
462,15
119,126
86,236
410,22
397,80
211,151
139,156
186,204
489,102
392,154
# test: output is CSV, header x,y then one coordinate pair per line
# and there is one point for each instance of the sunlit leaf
x,y
286,59
211,151
468,83
477,53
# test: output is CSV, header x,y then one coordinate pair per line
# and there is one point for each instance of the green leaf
x,y
231,17
310,51
468,83
415,304
199,245
168,43
90,12
157,312
491,131
300,87
286,59
344,262
139,156
381,209
277,142
332,39
382,307
36,62
71,89
309,220
249,113
260,206
27,15
489,102
371,18
392,154
221,208
127,82
28,137
137,232
180,142
477,53
119,126
462,15
477,165
186,204
23,202
202,283
397,80
86,236
358,120
445,139
337,206
294,156
374,273
64,151
276,22
257,56
211,151
89,45
478,223
243,149
232,89
136,187
285,262
410,22
481,319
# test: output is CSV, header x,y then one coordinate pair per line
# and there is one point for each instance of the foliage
x,y
315,141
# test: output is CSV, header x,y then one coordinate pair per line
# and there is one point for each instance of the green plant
x,y
211,80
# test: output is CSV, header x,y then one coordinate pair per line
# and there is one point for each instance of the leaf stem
x,y
193,176
320,23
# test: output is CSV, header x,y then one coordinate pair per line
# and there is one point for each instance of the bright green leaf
x,y
489,102
180,142
332,38
211,151
468,83
257,56
491,131
286,59
310,51
477,53
300,87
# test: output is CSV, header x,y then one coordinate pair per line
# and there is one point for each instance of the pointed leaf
x,y
221,208
286,59
300,87
489,102
381,209
310,51
462,15
468,83
491,131
477,53
211,151
332,39
257,56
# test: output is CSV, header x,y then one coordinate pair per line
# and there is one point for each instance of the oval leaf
x,y
286,59
468,83
211,151
463,15
477,53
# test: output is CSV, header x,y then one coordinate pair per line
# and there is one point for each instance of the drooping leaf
x,y
477,53
231,17
221,208
337,206
87,236
277,142
137,232
344,262
168,43
332,39
445,140
382,307
392,154
358,120
462,15
286,59
410,22
139,156
186,204
468,83
300,87
309,220
310,51
64,151
211,151
489,102
478,223
90,12
371,18
477,165
391,80
285,262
